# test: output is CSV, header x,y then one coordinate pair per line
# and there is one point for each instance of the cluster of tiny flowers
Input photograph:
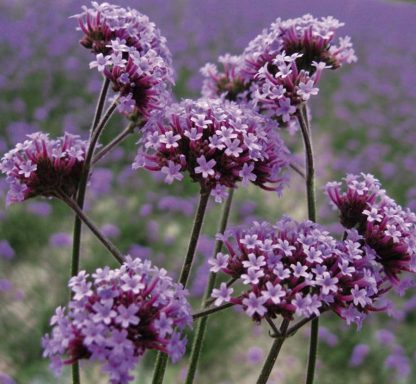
x,y
116,315
298,269
130,52
385,226
288,62
218,143
227,83
281,67
41,166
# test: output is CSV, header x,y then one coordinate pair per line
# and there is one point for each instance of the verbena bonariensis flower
x,y
227,83
281,67
298,269
131,52
41,166
116,315
385,226
286,62
217,143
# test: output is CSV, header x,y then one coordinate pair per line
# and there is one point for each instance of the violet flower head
x,y
131,52
387,228
41,166
226,83
116,315
297,269
218,143
284,64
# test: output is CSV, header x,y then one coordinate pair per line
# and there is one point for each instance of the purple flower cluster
x,y
116,316
218,143
131,52
384,225
227,83
287,61
281,67
298,269
41,166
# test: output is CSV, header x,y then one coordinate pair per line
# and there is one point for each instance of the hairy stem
x,y
162,358
85,219
76,239
201,326
310,193
113,143
273,354
203,313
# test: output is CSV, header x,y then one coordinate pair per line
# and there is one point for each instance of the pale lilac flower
x,y
223,294
205,167
172,172
219,262
306,90
100,62
254,305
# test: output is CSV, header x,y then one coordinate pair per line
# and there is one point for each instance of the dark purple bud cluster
x,y
384,225
41,166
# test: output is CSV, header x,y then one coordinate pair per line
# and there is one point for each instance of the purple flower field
x,y
196,112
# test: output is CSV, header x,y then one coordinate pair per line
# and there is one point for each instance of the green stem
x,y
208,311
201,326
113,143
162,358
273,354
310,192
85,219
76,240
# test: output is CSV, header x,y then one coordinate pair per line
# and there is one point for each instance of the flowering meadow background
x,y
364,120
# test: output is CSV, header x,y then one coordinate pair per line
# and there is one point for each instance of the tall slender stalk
x,y
162,358
273,353
310,192
113,143
85,219
76,240
202,323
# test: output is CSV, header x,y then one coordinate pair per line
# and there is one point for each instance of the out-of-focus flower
x,y
41,166
131,52
228,83
6,250
60,239
254,355
116,315
358,354
385,226
298,269
218,143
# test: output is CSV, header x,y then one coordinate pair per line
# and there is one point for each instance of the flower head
x,y
297,269
284,64
227,83
384,225
41,166
217,143
116,315
130,51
